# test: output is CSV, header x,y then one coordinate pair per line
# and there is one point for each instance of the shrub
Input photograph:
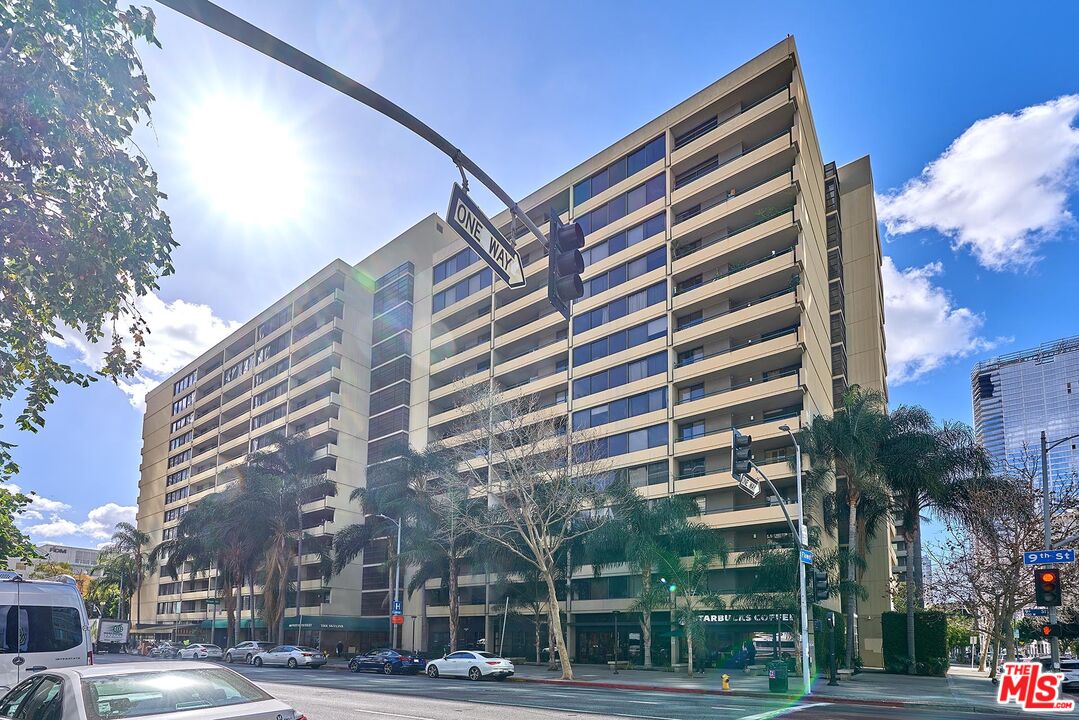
x,y
930,642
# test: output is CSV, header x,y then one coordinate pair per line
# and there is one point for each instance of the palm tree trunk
x,y
251,610
138,589
919,580
455,605
852,595
299,566
689,652
912,665
646,618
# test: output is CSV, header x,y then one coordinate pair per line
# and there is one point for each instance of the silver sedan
x,y
191,691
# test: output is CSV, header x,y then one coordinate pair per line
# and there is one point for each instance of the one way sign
x,y
468,220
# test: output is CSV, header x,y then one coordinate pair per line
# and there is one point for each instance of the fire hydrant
x,y
726,681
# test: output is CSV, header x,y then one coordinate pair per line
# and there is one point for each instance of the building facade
x,y
732,280
1017,396
81,560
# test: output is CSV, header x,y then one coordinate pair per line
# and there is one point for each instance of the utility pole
x,y
803,542
1054,644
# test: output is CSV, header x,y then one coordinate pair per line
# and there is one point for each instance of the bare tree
x,y
982,552
542,482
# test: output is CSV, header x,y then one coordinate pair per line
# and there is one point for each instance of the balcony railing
x,y
713,124
742,426
739,386
532,349
735,307
736,346
719,200
679,289
690,248
710,166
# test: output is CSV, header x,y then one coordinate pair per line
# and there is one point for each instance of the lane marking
x,y
644,702
782,711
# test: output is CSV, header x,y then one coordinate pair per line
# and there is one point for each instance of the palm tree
x,y
644,534
117,571
128,540
928,467
845,474
276,483
422,491
689,571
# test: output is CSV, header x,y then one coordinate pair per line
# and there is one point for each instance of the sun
x,y
246,163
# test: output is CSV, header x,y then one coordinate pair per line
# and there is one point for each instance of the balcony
x,y
539,320
440,335
739,214
738,272
458,384
784,385
442,370
777,470
757,164
308,306
720,436
691,141
762,514
787,342
781,307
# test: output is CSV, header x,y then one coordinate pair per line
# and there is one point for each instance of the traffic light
x,y
820,585
1049,630
565,265
1047,587
741,454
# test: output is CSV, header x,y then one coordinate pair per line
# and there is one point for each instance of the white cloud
x,y
179,332
924,327
1001,188
39,505
99,524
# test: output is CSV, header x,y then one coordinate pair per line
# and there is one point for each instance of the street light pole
x,y
397,577
803,541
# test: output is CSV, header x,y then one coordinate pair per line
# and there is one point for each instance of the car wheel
x,y
258,662
387,669
228,657
474,673
432,671
292,663
247,658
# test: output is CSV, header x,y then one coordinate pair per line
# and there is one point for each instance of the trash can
x,y
777,677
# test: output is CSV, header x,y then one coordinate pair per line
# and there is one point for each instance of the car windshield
x,y
157,693
211,647
306,649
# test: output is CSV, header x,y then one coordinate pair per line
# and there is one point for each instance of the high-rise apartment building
x,y
732,280
1017,396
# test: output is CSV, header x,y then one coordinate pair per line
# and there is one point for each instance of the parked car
x,y
45,626
246,650
292,656
473,664
388,662
200,651
200,691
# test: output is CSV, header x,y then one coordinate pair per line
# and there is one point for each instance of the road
x,y
334,695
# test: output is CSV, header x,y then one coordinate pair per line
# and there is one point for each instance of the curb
x,y
756,694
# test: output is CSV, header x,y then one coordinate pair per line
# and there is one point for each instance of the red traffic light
x,y
1049,577
1047,630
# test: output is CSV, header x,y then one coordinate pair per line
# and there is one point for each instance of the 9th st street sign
x,y
476,229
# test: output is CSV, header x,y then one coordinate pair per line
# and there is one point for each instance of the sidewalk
x,y
961,690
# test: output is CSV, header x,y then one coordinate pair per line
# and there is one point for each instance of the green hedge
x,y
930,642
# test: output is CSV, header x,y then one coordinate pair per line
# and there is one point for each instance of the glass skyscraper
x,y
1016,396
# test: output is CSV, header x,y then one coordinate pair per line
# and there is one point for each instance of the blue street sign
x,y
1048,557
397,607
806,556
1035,612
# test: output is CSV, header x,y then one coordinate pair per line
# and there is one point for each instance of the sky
x,y
970,120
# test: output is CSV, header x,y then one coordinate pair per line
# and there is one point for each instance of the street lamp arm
x,y
782,505
1061,441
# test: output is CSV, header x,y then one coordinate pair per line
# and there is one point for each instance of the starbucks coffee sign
x,y
747,617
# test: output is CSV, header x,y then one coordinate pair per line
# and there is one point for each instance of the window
x,y
171,497
693,392
269,416
175,513
688,357
273,371
388,423
185,382
398,345
620,169
691,468
168,533
460,291
177,477
624,273
620,375
455,264
277,320
621,205
405,268
180,459
392,322
185,420
183,403
621,307
393,396
39,628
265,440
690,430
689,320
620,409
237,370
619,341
271,348
391,372
180,440
267,395
627,238
623,443
393,294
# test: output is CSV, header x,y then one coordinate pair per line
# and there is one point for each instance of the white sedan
x,y
178,690
291,656
200,651
472,664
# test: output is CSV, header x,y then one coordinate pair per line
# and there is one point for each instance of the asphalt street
x,y
334,695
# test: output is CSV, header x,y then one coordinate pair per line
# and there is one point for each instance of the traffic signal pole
x,y
1054,643
224,22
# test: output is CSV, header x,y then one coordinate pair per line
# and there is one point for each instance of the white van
x,y
43,625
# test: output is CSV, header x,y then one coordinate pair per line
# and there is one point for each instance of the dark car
x,y
389,662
